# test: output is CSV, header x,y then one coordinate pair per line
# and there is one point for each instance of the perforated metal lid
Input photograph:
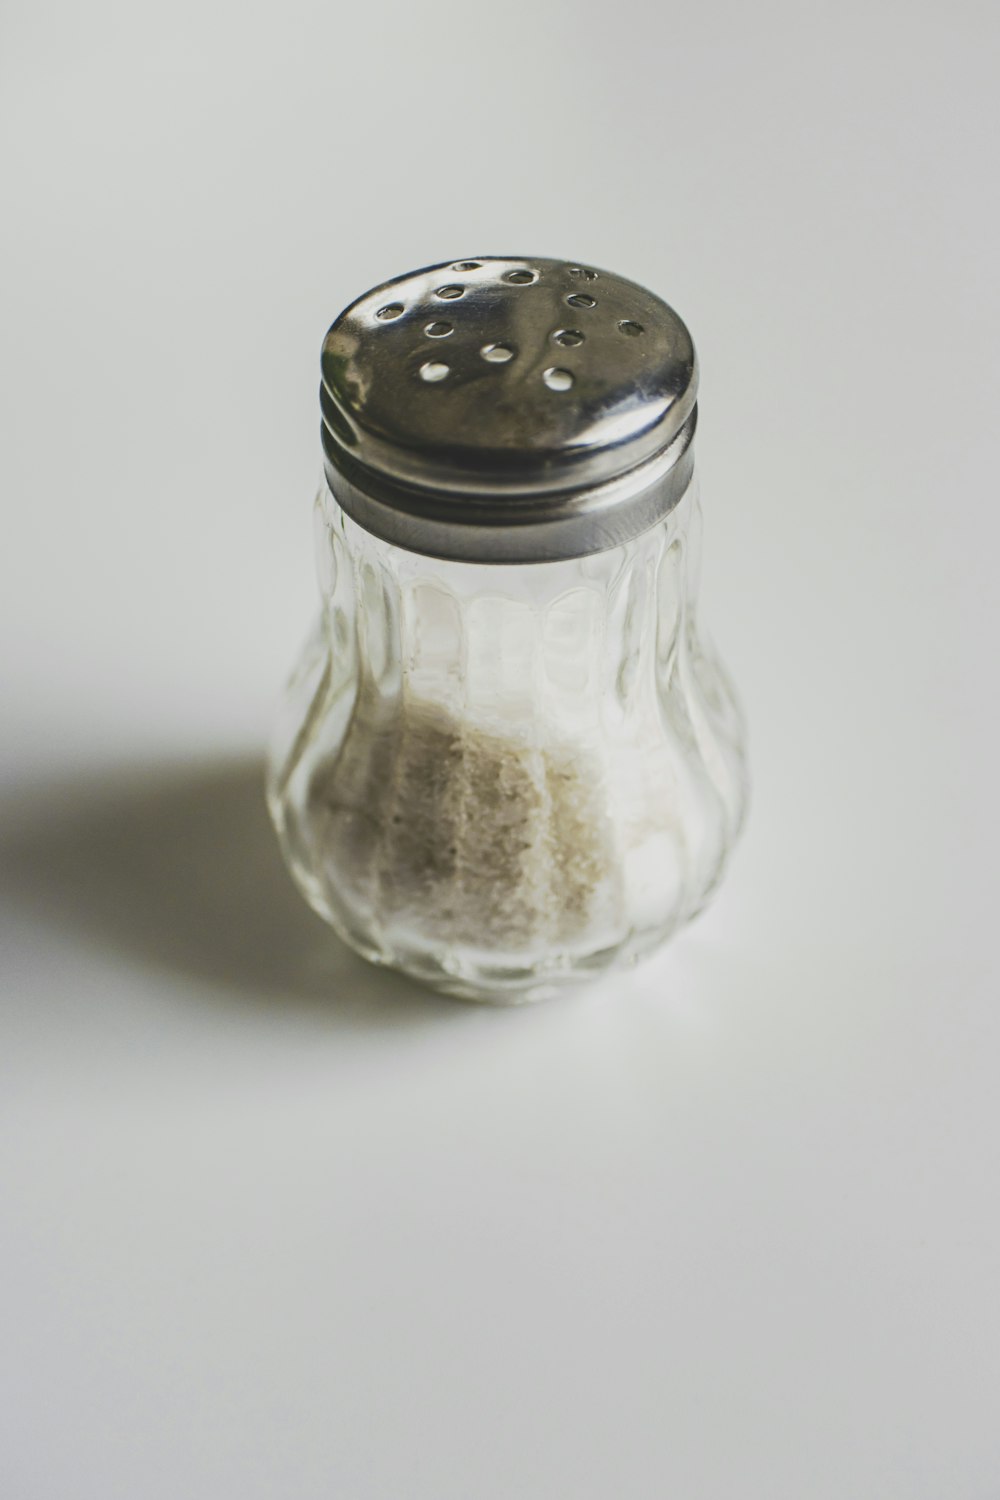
x,y
508,410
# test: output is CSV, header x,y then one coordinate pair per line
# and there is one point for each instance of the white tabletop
x,y
276,1226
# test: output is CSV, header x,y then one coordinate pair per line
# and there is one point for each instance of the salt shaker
x,y
508,758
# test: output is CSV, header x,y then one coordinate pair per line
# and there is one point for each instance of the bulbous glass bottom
x,y
504,781
481,978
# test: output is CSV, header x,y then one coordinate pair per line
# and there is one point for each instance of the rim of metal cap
x,y
508,409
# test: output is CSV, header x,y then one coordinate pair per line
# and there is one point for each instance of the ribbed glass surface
x,y
499,779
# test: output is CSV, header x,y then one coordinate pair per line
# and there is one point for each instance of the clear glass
x,y
501,779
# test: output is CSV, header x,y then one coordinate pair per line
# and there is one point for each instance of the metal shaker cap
x,y
508,410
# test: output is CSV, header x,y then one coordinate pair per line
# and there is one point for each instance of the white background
x,y
276,1226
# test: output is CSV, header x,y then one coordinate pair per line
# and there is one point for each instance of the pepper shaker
x,y
508,759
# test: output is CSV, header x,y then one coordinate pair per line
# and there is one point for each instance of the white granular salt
x,y
464,834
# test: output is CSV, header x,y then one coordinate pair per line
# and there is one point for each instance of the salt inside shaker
x,y
508,759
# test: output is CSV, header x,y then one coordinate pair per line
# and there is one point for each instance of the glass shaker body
x,y
500,779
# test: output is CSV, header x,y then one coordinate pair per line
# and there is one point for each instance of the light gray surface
x,y
276,1226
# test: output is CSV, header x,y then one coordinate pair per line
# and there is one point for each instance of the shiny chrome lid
x,y
508,409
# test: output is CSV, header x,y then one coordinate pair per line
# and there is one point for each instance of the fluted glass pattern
x,y
500,779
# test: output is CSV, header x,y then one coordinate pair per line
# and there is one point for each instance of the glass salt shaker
x,y
508,758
